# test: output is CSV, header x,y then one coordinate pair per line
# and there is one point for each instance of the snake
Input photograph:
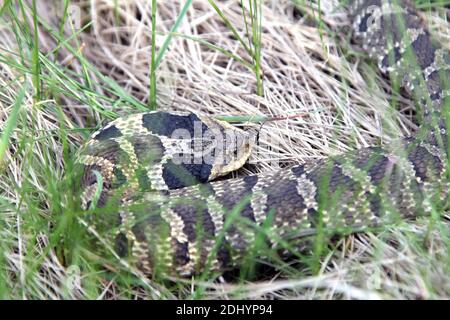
x,y
151,183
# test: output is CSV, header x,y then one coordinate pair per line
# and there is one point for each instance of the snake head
x,y
225,147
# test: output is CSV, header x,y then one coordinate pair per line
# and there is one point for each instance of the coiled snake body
x,y
161,220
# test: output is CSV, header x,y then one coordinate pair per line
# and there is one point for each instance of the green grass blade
x,y
215,47
5,6
35,56
113,86
230,26
152,99
172,31
11,122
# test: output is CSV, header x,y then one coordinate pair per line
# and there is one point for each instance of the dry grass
x,y
308,69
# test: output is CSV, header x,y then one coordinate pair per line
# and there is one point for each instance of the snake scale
x,y
166,215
